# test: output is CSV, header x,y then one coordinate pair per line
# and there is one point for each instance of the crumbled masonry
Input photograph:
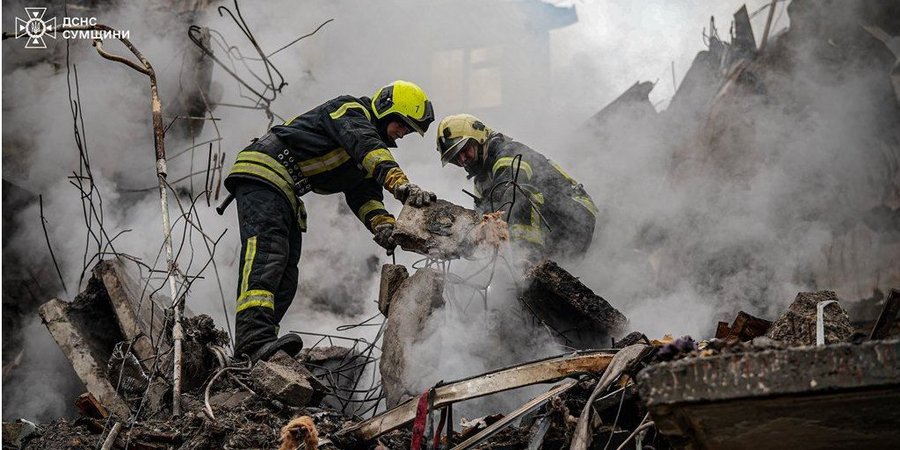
x,y
444,230
797,326
701,397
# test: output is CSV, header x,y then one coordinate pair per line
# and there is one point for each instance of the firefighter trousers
x,y
268,270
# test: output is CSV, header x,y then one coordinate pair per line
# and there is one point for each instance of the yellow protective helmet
x,y
407,101
455,131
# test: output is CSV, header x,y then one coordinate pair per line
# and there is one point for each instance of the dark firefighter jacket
x,y
335,147
548,193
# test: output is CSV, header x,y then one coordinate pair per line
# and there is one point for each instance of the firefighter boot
x,y
290,343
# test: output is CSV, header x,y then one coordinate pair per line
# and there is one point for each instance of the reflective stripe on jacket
x,y
335,147
547,195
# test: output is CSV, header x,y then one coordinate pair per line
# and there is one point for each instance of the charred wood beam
x,y
888,314
88,406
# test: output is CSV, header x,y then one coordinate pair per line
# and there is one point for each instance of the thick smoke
x,y
675,255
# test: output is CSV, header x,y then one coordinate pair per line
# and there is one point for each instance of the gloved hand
x,y
384,236
414,195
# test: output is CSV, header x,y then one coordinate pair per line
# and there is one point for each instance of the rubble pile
x,y
665,393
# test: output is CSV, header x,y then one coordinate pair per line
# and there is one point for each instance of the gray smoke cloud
x,y
553,75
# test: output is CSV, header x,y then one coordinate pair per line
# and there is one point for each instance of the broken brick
x,y
745,327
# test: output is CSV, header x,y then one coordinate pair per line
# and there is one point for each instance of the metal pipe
x,y
820,321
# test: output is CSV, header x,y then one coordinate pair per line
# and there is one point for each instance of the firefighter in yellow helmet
x,y
340,146
550,214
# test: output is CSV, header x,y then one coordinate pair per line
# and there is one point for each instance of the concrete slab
x,y
85,345
141,316
411,306
835,396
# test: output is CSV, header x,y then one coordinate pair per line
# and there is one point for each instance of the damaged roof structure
x,y
822,373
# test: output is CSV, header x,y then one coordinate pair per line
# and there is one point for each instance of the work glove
x,y
414,195
384,236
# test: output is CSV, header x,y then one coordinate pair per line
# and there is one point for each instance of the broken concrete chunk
x,y
836,396
290,362
140,316
797,326
86,345
282,383
563,302
228,399
16,434
391,277
319,356
411,306
445,230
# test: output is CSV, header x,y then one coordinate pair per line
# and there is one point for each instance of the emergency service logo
x,y
35,27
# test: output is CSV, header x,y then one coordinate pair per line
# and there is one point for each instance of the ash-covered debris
x,y
619,397
444,230
797,326
563,302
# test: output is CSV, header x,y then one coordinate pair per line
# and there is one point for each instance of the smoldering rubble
x,y
820,373
812,361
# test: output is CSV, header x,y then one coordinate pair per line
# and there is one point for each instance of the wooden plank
x,y
88,406
542,371
888,314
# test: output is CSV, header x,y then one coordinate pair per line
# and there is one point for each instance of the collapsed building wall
x,y
775,168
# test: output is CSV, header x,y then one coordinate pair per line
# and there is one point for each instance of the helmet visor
x,y
420,126
450,148
412,124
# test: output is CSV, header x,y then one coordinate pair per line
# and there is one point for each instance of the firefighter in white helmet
x,y
549,213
